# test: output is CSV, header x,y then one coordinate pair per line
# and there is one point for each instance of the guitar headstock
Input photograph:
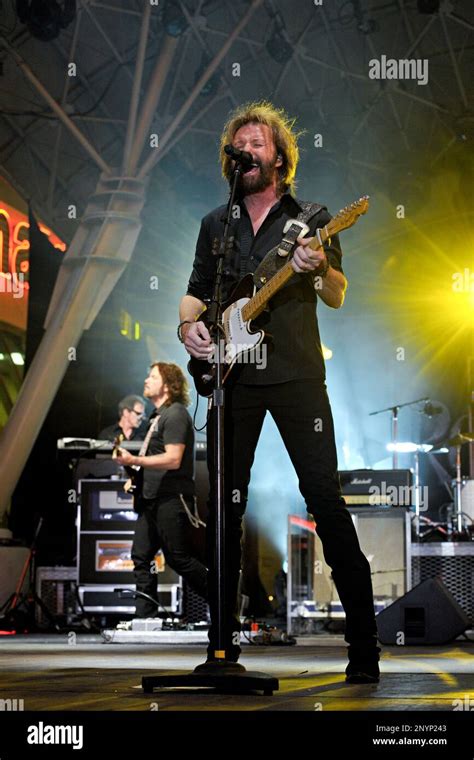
x,y
348,215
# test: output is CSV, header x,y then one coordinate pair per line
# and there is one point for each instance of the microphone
x,y
242,156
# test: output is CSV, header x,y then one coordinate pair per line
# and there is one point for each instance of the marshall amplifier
x,y
377,488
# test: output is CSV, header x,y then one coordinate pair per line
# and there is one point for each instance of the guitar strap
x,y
150,431
143,449
277,256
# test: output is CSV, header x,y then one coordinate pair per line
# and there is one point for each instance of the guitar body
x,y
134,484
239,339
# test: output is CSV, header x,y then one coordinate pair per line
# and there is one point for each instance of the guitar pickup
x,y
287,243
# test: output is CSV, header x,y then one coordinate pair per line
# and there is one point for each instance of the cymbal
x,y
458,440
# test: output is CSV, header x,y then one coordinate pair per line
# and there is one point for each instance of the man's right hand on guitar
x,y
197,340
124,457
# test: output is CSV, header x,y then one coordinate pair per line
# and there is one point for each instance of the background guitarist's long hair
x,y
178,388
284,136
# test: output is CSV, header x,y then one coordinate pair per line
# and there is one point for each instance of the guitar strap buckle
x,y
292,230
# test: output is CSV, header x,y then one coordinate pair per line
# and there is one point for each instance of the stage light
x,y
17,358
2,357
174,20
279,48
429,294
46,18
278,45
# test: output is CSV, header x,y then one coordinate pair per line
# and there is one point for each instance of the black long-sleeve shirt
x,y
294,350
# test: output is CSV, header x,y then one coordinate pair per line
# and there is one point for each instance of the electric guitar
x,y
134,484
246,303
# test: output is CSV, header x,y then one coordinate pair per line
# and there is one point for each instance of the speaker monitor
x,y
428,614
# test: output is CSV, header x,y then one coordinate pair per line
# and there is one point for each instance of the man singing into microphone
x,y
292,384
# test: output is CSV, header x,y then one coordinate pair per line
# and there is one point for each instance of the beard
x,y
260,180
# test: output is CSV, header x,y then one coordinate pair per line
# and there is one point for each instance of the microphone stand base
x,y
224,676
219,666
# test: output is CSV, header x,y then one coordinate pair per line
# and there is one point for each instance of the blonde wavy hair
x,y
284,136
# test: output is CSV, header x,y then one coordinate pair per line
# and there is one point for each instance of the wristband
x,y
184,322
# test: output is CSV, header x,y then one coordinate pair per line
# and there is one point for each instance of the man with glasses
x,y
131,412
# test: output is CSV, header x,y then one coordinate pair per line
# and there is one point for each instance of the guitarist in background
x,y
292,384
167,499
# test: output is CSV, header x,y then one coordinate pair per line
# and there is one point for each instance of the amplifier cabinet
x,y
104,505
106,558
103,598
453,563
385,539
106,522
377,488
56,587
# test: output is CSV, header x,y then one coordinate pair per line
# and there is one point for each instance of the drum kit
x,y
460,519
458,514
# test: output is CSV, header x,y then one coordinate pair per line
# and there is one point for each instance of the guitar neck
x,y
258,302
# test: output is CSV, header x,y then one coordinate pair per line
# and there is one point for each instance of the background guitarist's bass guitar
x,y
246,303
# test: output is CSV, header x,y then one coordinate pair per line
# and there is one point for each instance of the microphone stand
x,y
219,673
394,424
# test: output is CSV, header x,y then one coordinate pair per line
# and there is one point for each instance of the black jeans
x,y
302,413
162,524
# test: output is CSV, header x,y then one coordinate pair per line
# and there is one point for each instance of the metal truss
x,y
328,65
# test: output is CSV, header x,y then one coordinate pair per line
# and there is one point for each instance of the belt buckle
x,y
291,222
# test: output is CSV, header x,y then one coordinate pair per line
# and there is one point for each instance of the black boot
x,y
363,664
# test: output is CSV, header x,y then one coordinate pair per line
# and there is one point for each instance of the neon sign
x,y
15,245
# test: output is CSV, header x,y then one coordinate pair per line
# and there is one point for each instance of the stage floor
x,y
83,672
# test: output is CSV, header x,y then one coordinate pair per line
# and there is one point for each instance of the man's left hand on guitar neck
x,y
332,285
